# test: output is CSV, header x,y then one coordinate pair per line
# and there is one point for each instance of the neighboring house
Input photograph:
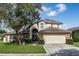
x,y
73,29
8,37
49,31
75,33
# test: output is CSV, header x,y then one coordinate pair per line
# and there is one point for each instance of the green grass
x,y
76,44
13,48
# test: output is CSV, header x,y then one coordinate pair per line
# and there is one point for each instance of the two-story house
x,y
49,31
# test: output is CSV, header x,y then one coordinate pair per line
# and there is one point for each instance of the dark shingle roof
x,y
54,30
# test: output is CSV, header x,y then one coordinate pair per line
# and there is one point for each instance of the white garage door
x,y
54,39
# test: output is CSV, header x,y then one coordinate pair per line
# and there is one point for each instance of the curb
x,y
23,54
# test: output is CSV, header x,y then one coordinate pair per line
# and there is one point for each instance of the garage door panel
x,y
49,39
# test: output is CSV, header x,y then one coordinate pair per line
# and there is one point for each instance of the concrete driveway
x,y
61,50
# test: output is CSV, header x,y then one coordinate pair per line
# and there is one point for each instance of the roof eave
x,y
54,32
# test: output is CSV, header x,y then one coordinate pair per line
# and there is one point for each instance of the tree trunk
x,y
18,37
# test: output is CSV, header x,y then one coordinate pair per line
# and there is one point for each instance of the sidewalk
x,y
3,54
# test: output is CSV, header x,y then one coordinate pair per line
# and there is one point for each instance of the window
x,y
14,36
11,37
42,26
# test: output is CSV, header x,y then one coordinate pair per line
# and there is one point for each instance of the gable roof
x,y
53,30
50,21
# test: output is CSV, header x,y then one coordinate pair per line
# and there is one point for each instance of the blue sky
x,y
67,13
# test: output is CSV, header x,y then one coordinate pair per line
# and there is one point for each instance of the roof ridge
x,y
51,20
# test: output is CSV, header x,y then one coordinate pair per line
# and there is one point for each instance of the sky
x,y
67,13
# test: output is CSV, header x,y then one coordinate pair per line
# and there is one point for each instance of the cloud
x,y
52,13
49,11
44,8
61,7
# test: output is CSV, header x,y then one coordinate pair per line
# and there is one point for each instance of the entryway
x,y
34,35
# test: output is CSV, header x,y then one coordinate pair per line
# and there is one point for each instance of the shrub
x,y
27,40
75,36
41,41
69,41
2,31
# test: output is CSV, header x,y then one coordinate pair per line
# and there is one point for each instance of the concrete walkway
x,y
61,50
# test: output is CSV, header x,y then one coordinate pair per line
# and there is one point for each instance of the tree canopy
x,y
16,16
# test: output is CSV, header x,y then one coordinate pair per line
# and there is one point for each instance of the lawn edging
x,y
46,50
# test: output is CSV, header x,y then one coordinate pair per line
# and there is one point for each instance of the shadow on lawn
x,y
66,52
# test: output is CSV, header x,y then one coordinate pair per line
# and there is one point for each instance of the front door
x,y
34,35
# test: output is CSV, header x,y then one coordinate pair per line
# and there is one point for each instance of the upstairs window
x,y
42,26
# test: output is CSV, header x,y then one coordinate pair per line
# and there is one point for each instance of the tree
x,y
17,16
2,31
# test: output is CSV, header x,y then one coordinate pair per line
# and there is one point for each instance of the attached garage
x,y
54,35
54,38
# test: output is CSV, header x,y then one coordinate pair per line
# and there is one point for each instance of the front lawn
x,y
13,48
76,44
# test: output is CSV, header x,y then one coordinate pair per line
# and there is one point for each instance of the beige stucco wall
x,y
68,36
55,25
38,26
48,25
6,39
52,25
35,26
